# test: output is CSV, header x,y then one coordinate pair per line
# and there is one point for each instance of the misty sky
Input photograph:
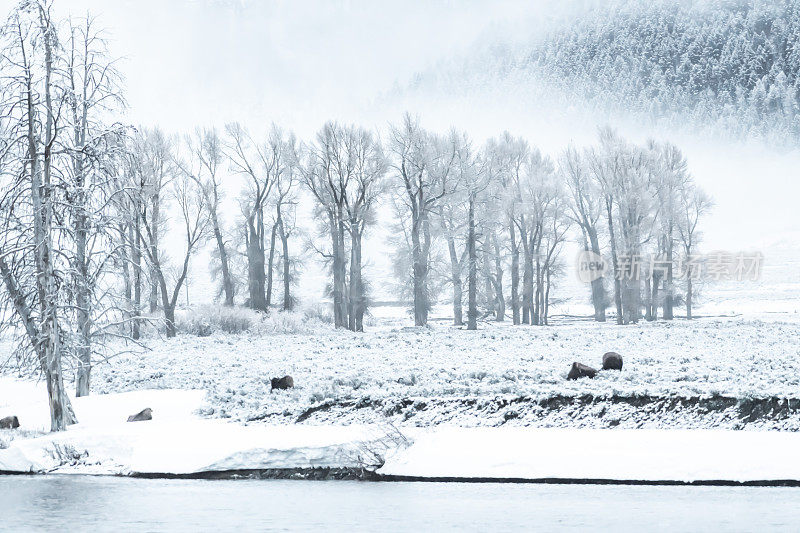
x,y
296,63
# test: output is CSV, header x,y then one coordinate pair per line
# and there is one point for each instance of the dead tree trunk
x,y
83,300
61,414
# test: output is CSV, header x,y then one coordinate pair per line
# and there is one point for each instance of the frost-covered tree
x,y
472,176
586,210
365,186
94,148
326,172
205,156
693,204
671,179
344,171
34,275
606,164
193,220
262,165
284,200
507,157
420,191
452,216
542,230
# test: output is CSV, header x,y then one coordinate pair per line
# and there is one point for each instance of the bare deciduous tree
x,y
421,191
31,121
194,222
206,156
263,164
693,204
586,208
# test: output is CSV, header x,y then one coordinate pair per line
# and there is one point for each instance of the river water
x,y
86,503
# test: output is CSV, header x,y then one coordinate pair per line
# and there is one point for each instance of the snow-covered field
x,y
390,364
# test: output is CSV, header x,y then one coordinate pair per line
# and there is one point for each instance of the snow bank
x,y
176,441
185,447
28,401
623,455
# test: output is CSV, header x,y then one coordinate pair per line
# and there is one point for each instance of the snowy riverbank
x,y
488,404
680,456
178,442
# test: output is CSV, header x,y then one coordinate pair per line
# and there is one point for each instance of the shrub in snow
x,y
408,381
287,322
205,320
371,455
318,312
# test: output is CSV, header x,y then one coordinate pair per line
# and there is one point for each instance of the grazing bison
x,y
144,414
612,361
9,422
579,370
286,382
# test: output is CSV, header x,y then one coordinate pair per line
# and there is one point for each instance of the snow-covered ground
x,y
176,441
390,364
625,455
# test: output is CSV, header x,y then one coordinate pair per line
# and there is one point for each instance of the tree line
x,y
87,201
733,64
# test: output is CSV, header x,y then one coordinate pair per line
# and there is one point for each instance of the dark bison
x,y
9,422
612,361
141,416
286,382
579,370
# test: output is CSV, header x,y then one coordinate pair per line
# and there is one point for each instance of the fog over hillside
x,y
720,79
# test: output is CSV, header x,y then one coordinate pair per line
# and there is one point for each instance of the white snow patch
x,y
625,455
176,441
